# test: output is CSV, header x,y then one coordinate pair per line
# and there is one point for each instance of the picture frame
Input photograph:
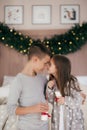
x,y
69,14
14,14
41,14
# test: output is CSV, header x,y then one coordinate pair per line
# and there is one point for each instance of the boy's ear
x,y
35,58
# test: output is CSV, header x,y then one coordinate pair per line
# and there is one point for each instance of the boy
x,y
26,97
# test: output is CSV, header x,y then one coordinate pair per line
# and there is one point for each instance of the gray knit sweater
x,y
27,91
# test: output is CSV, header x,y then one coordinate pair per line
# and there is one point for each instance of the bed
x,y
10,123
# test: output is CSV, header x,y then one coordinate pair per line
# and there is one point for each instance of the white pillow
x,y
4,91
82,80
7,80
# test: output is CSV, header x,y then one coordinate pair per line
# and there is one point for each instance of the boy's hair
x,y
38,50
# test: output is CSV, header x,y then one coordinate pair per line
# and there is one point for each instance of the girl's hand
x,y
51,84
61,100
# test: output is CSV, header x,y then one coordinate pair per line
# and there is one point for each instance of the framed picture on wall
x,y
69,14
41,14
14,14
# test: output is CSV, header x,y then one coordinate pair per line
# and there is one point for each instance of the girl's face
x,y
52,68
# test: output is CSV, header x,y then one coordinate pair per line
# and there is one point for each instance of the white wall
x,y
55,12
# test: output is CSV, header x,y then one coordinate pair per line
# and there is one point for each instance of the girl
x,y
66,114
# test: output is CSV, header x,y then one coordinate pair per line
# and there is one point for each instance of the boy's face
x,y
42,64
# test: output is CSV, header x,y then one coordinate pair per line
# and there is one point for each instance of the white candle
x,y
58,94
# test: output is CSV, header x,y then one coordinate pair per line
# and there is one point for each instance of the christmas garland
x,y
66,43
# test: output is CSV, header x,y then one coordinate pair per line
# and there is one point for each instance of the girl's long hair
x,y
65,81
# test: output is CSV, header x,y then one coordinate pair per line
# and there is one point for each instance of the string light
x,y
21,52
41,41
83,38
19,33
59,43
29,44
25,50
47,46
26,36
47,42
11,46
15,33
74,34
70,42
28,48
77,38
53,53
65,41
51,47
21,46
59,48
70,49
6,44
21,38
3,38
11,30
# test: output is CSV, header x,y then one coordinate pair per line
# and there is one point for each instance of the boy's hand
x,y
51,84
61,100
41,107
